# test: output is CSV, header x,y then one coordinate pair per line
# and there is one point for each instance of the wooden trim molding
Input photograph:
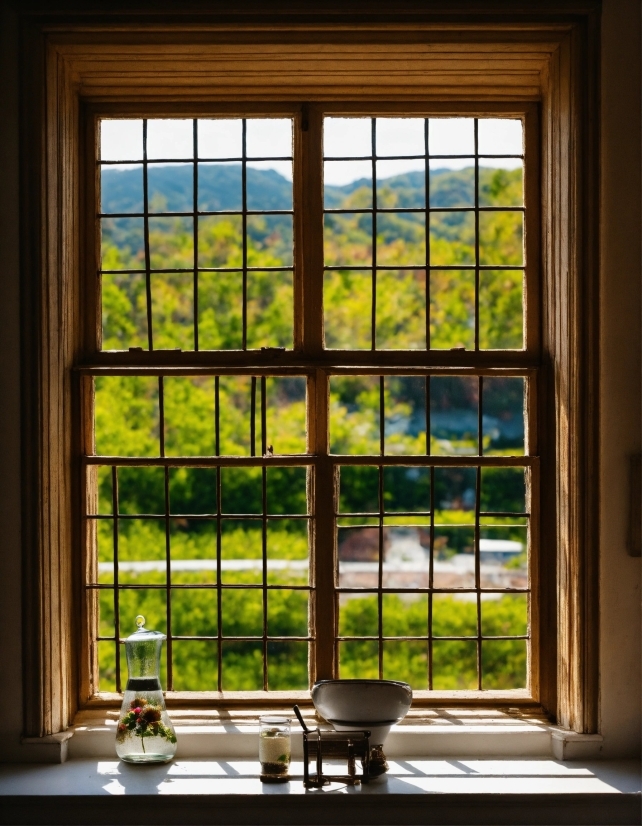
x,y
546,62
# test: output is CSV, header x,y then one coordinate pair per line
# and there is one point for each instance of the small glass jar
x,y
274,749
145,733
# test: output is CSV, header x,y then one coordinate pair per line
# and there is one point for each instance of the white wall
x,y
620,354
620,653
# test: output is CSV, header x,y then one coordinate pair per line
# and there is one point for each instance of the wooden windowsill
x,y
229,791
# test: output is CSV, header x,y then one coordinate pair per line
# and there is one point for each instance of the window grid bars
x,y
380,516
426,210
476,267
195,214
219,586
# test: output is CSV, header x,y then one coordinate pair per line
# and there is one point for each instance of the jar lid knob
x,y
140,622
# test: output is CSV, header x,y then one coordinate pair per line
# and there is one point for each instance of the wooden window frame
x,y
311,359
549,61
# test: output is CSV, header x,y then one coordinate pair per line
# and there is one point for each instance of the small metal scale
x,y
334,745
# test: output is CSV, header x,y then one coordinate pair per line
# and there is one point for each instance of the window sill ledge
x,y
424,791
423,733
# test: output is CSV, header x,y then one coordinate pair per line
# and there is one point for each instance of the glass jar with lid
x,y
145,733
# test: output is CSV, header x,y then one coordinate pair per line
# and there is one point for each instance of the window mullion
x,y
308,219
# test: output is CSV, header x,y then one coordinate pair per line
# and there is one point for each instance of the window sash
x,y
309,357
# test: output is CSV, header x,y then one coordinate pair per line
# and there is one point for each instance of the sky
x,y
348,138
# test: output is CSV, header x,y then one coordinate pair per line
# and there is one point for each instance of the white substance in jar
x,y
274,746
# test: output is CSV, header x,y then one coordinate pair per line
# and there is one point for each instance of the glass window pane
x,y
405,615
401,239
504,615
124,311
406,489
503,553
268,188
504,664
286,415
121,188
241,490
121,140
194,614
269,137
220,241
503,420
242,665
288,666
358,552
498,186
407,661
220,319
359,660
401,309
453,616
189,416
348,239
192,490
170,188
500,136
220,188
241,560
347,137
354,414
195,665
126,416
358,615
451,136
122,244
401,185
242,612
454,415
405,415
234,416
359,489
269,241
452,309
171,243
287,613
193,546
501,238
103,530
347,304
452,187
286,490
270,309
501,309
170,139
141,490
173,310
454,665
455,495
288,552
452,238
348,184
400,136
220,138
503,489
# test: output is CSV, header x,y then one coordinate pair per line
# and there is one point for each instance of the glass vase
x,y
145,733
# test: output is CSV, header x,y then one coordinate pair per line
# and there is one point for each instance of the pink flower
x,y
137,710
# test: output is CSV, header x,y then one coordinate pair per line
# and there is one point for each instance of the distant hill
x,y
220,188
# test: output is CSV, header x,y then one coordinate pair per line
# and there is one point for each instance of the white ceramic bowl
x,y
354,705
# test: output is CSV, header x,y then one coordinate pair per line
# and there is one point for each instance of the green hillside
x,y
127,408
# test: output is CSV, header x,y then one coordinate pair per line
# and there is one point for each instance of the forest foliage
x,y
127,413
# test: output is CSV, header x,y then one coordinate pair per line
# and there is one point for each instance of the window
x,y
313,425
512,68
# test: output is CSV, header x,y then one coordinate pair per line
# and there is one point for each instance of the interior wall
x,y
10,572
620,353
621,358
